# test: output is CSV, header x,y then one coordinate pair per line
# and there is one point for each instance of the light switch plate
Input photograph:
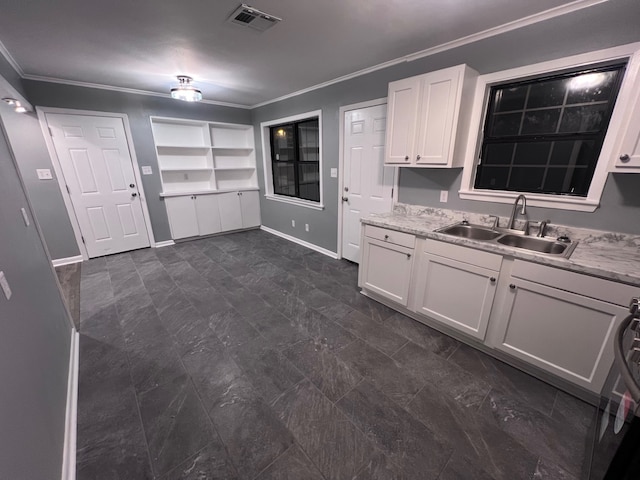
x,y
44,174
444,196
334,173
5,286
146,170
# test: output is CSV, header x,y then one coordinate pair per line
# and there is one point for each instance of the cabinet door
x,y
230,211
386,269
457,294
208,214
439,102
182,216
628,158
564,333
250,204
402,108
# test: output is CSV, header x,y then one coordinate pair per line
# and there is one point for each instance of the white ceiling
x,y
144,44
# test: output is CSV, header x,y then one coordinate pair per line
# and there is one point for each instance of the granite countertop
x,y
609,255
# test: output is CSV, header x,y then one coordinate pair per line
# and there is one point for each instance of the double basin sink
x,y
561,247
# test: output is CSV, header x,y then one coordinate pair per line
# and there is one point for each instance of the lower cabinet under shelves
x,y
558,321
206,214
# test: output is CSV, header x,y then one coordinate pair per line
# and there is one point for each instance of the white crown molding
x,y
9,58
491,32
75,83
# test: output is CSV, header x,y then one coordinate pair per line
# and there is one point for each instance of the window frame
x,y
267,163
630,53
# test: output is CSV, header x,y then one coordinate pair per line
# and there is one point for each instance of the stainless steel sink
x,y
475,232
563,247
535,244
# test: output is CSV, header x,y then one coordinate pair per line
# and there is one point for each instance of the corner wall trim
x,y
71,418
166,243
311,246
58,262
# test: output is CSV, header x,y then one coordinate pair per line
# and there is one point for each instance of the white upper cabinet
x,y
428,118
628,154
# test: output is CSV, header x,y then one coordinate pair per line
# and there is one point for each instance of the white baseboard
x,y
166,243
58,262
71,420
321,250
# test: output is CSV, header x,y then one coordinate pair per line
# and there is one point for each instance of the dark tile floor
x,y
245,356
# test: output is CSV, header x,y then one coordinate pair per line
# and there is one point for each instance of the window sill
x,y
295,201
578,204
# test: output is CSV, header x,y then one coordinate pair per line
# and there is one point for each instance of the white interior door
x,y
96,164
367,183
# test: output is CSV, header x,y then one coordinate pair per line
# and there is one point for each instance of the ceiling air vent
x,y
252,17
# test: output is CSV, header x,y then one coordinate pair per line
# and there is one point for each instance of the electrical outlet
x,y
146,170
44,174
444,196
306,227
293,223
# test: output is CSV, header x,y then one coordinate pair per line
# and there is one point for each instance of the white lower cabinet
x,y
456,285
385,268
194,215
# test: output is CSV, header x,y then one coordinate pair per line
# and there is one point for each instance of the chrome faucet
x,y
512,218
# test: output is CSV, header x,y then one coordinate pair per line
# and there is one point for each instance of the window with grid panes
x,y
545,135
295,159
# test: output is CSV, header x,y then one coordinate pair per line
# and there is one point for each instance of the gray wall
x,y
34,343
10,75
605,25
138,108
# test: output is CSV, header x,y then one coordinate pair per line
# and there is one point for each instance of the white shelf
x,y
184,147
187,169
231,150
232,169
207,192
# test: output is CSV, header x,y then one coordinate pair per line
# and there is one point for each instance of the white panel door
x,y
367,182
208,214
96,164
230,211
182,216
250,205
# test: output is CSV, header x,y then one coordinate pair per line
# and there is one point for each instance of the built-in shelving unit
x,y
199,157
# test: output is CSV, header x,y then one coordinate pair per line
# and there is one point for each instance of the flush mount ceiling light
x,y
17,106
185,91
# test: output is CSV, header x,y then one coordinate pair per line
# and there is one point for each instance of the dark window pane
x,y
540,121
282,142
526,179
492,178
535,153
592,87
284,182
498,154
512,98
507,124
309,141
588,118
309,175
577,152
547,94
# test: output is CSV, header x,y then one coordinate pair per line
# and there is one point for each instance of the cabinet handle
x,y
492,279
386,237
512,286
625,158
418,157
406,157
408,256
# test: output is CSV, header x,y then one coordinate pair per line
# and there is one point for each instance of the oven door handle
x,y
621,361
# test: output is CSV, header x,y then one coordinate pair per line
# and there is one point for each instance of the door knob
x,y
134,194
131,185
345,199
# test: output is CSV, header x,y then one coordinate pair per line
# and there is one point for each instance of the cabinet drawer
x,y
582,284
464,254
391,236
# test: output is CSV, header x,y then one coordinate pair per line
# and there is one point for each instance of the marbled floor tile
x,y
451,380
143,255
404,440
385,373
573,412
506,378
364,304
484,445
210,463
95,265
174,309
319,363
122,457
275,328
104,326
425,336
548,471
206,300
335,310
95,293
268,370
168,255
175,423
245,302
381,468
330,440
291,465
461,468
372,332
539,433
231,328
